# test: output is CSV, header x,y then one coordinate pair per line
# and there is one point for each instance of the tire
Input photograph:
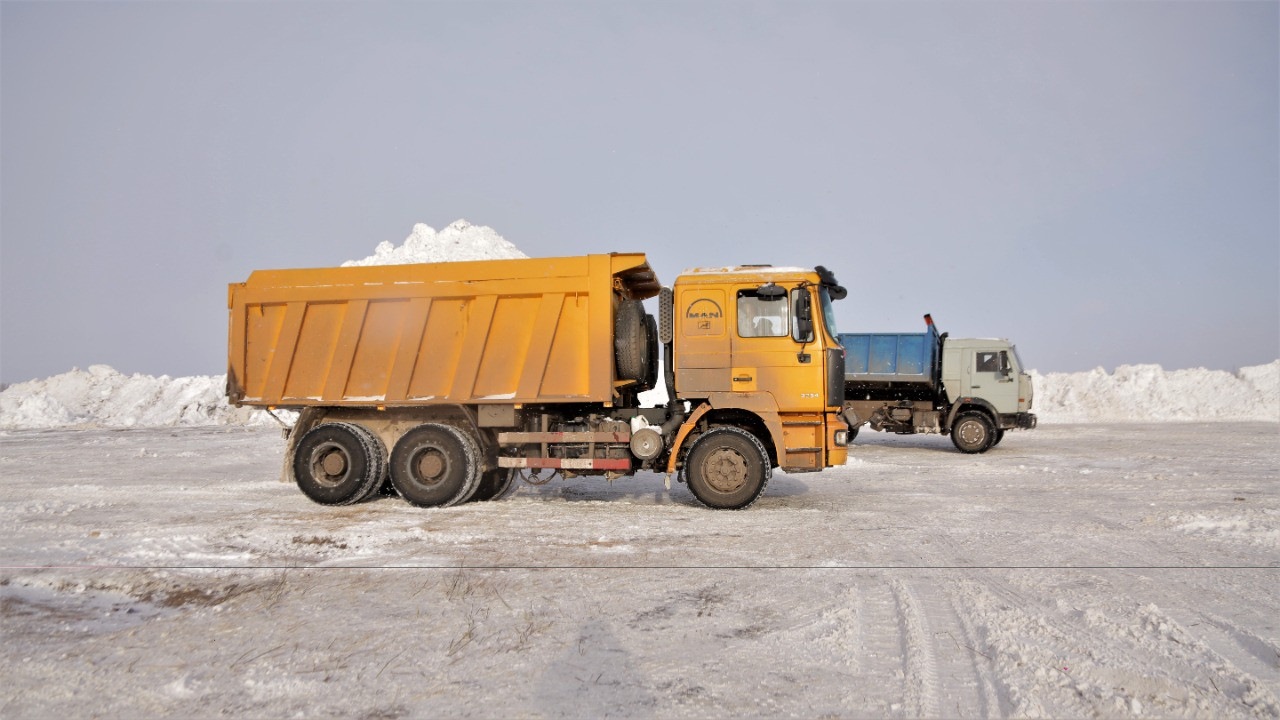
x,y
435,465
996,438
727,469
972,432
495,484
853,433
629,342
339,463
651,350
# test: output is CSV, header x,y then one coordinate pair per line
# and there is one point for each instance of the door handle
x,y
746,378
975,386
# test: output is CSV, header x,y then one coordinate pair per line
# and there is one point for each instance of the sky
x,y
1098,182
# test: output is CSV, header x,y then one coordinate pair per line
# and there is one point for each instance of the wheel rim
x,y
972,433
430,466
726,470
329,464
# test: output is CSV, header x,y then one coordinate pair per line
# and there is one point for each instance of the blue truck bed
x,y
891,357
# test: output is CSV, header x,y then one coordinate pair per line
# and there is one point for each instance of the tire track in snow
x,y
919,661
863,637
971,660
1261,654
1089,652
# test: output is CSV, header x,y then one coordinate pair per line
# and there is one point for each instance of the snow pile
x,y
102,396
458,242
1145,393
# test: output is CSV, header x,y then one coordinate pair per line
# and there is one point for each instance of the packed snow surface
x,y
459,241
1078,571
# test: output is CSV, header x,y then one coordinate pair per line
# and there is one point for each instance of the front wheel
x,y
997,437
972,433
727,469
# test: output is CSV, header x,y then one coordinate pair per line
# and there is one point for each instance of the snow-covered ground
x,y
1124,570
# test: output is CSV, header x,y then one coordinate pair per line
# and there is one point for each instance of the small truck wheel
x,y
338,463
435,465
972,433
727,469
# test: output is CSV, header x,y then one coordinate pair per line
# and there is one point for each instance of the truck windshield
x,y
828,313
1018,359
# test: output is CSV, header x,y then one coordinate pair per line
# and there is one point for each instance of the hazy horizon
x,y
1098,182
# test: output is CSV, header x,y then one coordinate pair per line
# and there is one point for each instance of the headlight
x,y
842,437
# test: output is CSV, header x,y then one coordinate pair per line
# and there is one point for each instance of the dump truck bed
x,y
498,331
891,357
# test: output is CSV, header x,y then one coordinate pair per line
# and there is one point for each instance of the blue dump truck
x,y
973,389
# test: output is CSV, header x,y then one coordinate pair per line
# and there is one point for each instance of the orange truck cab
x,y
760,344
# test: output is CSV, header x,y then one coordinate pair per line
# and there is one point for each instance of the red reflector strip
x,y
566,463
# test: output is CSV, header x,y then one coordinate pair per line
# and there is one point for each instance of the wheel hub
x,y
431,466
726,470
334,463
972,433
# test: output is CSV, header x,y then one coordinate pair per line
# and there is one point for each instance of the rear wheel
x,y
339,463
435,466
972,432
495,484
727,469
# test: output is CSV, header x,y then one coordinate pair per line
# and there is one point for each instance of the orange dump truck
x,y
449,380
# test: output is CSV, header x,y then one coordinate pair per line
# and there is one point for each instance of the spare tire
x,y
651,350
630,341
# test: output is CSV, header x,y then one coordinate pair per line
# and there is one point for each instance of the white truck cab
x,y
989,369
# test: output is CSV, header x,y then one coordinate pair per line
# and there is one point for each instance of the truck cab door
x,y
994,378
769,356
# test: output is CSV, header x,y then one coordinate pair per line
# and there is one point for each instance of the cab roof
x,y
733,273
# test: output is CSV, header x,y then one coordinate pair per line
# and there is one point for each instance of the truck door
x,y
994,379
769,357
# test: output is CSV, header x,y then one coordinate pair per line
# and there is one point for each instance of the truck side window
x,y
761,318
988,362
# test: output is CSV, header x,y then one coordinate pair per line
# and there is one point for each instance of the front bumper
x,y
1021,421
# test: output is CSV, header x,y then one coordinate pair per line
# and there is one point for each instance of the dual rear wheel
x,y
432,465
339,463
